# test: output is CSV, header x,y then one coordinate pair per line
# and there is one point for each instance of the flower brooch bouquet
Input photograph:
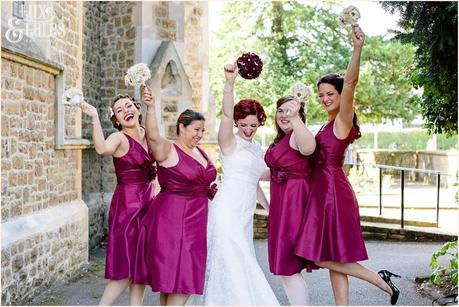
x,y
137,75
301,93
349,16
73,96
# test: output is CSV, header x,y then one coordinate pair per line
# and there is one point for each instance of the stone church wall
x,y
44,221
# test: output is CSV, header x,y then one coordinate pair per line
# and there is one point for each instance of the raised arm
x,y
346,109
160,146
302,139
226,138
105,147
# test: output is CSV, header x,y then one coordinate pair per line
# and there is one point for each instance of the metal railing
x,y
402,186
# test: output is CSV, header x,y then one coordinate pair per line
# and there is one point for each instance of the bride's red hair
x,y
246,107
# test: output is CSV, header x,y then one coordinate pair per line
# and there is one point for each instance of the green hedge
x,y
410,140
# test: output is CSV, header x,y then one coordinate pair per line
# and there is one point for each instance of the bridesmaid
x,y
174,227
134,191
331,234
289,164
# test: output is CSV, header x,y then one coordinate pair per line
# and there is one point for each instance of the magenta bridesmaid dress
x,y
331,223
173,240
289,189
134,192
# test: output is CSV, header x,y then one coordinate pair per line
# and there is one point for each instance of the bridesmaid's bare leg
x,y
340,286
174,299
296,288
359,271
136,294
163,299
113,290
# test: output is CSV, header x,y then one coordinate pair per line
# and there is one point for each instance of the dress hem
x,y
176,291
117,277
341,260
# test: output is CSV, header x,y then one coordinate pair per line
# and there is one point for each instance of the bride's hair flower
x,y
349,16
72,96
137,75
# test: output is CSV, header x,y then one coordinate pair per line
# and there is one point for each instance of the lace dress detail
x,y
233,275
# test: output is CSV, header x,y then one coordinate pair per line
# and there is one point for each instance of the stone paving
x,y
409,259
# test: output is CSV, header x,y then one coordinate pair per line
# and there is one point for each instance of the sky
x,y
374,20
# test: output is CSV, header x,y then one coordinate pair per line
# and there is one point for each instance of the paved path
x,y
409,259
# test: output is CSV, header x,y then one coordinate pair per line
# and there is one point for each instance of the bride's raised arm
x,y
226,138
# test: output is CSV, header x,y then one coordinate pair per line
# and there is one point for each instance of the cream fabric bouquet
x,y
72,96
301,93
137,75
349,16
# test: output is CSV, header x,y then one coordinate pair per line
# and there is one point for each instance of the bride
x,y
233,275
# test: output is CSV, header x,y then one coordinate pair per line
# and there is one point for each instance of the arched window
x,y
171,83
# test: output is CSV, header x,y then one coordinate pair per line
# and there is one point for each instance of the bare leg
x,y
163,299
174,299
296,288
340,285
113,290
136,294
358,271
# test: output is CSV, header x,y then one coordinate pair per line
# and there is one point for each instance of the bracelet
x,y
150,112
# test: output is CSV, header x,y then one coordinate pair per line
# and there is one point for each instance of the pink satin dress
x,y
173,239
134,192
331,223
289,190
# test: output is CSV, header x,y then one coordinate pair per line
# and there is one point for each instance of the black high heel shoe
x,y
385,275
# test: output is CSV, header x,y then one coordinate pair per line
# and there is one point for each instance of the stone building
x,y
55,188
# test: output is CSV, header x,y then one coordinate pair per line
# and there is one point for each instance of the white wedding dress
x,y
233,275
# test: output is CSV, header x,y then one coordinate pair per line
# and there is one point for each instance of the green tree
x,y
383,91
431,26
300,43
